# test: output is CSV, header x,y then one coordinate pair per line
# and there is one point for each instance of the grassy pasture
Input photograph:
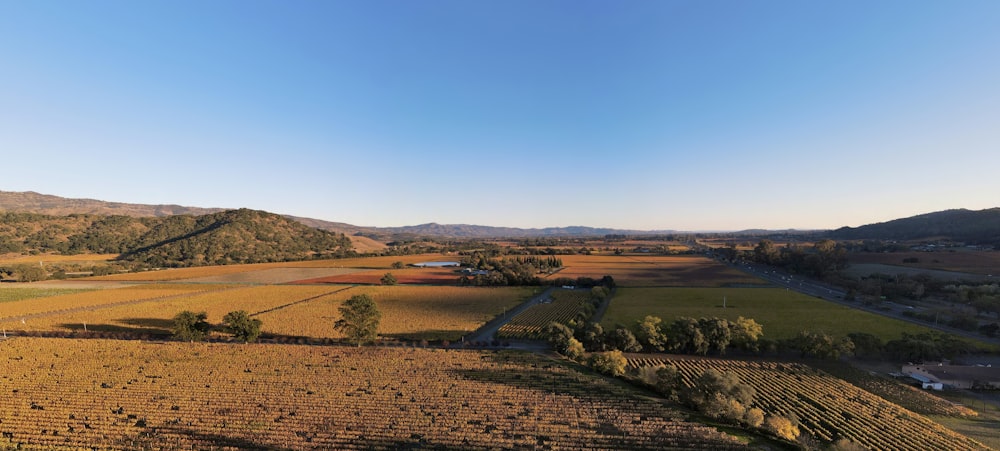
x,y
11,294
654,270
783,313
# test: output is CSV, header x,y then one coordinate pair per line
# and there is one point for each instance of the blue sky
x,y
687,115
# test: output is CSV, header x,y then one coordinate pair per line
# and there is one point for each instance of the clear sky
x,y
686,115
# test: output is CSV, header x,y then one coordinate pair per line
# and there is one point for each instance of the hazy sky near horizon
x,y
685,115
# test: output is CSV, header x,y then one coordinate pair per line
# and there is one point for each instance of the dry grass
x,y
82,259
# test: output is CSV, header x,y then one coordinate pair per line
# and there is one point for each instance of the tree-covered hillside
x,y
234,236
974,227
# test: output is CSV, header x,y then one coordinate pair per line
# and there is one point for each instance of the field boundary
x,y
301,301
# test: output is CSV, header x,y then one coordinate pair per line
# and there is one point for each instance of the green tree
x,y
388,279
191,326
31,273
746,334
823,346
397,265
650,334
686,337
242,326
359,319
720,395
559,336
611,363
623,340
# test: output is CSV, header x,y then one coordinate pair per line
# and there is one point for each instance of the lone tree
x,y
388,279
191,326
242,326
359,319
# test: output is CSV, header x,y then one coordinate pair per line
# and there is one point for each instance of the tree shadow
x,y
140,326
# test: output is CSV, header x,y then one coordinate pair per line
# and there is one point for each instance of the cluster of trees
x,y
236,236
191,326
684,336
718,395
503,271
822,258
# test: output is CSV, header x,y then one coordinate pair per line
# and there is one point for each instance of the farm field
x,y
16,293
427,276
33,309
866,269
827,407
654,270
125,395
783,313
336,266
563,306
959,260
408,312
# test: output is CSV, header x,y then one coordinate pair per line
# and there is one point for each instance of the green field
x,y
783,313
20,293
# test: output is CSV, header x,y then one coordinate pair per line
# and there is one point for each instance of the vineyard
x,y
827,408
287,311
563,305
128,395
654,271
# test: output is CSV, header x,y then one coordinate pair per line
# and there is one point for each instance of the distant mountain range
x,y
32,202
974,227
478,231
968,226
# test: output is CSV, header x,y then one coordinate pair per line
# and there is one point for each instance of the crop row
x,y
129,394
827,408
87,300
562,306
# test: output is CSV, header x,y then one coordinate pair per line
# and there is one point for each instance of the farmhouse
x,y
936,375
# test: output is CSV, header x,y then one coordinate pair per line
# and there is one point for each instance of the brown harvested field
x,y
959,260
653,270
274,275
177,274
422,276
363,244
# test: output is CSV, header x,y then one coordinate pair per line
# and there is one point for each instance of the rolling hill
x,y
968,226
227,237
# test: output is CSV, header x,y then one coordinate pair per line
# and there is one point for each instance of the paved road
x,y
831,293
488,331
